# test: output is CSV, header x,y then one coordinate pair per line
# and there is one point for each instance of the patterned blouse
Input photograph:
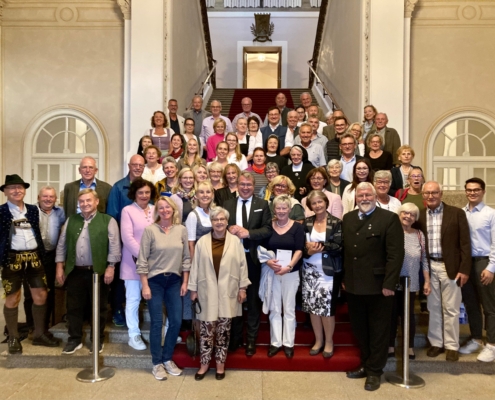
x,y
414,258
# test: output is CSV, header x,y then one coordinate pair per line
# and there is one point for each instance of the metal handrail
x,y
203,84
326,92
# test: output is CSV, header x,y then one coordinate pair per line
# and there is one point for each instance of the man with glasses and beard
x,y
373,256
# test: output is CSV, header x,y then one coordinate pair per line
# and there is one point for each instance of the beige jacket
x,y
218,299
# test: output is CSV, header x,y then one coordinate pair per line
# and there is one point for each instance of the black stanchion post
x,y
95,374
407,380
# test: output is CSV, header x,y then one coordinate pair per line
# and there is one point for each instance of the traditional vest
x,y
98,238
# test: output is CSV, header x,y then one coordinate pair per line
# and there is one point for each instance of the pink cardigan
x,y
132,225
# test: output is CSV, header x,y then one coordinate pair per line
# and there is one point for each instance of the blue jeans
x,y
165,289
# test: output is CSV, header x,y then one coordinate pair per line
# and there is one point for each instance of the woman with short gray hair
x,y
414,261
218,280
382,181
336,185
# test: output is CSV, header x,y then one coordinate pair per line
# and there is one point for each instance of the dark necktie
x,y
244,222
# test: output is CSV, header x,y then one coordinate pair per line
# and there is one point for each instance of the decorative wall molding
x,y
125,7
366,33
455,13
409,7
60,14
166,25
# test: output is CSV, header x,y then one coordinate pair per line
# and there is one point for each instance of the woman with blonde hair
x,y
281,185
222,154
357,130
200,173
231,174
215,171
235,156
163,266
369,119
287,243
219,127
185,189
191,156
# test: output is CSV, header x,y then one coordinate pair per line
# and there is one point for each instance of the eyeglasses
x,y
428,194
382,182
477,190
365,195
346,144
316,178
415,176
218,219
188,124
281,186
407,213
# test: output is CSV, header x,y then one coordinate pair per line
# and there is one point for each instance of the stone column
x,y
408,10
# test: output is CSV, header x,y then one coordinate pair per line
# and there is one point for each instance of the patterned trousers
x,y
214,334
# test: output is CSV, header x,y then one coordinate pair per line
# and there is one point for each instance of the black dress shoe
x,y
356,373
219,377
250,348
273,350
233,345
372,383
15,346
434,351
44,340
391,354
289,352
198,376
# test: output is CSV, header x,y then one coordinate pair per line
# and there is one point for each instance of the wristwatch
x,y
111,264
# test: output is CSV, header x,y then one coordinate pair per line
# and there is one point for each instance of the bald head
x,y
136,166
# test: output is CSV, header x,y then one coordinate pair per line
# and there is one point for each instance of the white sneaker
x,y
179,339
172,369
487,354
159,372
137,343
472,346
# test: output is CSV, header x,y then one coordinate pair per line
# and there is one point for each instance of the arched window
x,y
56,143
463,146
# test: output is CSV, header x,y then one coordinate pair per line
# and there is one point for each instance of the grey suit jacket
x,y
189,114
72,189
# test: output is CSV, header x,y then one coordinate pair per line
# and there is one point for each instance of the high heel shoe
x,y
328,354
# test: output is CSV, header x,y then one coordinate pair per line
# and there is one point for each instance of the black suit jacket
x,y
281,132
259,223
455,239
373,251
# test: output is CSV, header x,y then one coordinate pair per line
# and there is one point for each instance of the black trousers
x,y
398,311
475,295
117,291
80,300
370,317
253,303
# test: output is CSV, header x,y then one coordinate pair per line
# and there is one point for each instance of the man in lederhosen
x,y
21,258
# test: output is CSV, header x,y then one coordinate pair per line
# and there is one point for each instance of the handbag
x,y
191,340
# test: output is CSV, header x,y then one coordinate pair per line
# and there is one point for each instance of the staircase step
x,y
119,355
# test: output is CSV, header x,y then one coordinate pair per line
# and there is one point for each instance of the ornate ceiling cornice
x,y
125,7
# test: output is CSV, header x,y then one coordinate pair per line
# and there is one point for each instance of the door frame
x,y
266,50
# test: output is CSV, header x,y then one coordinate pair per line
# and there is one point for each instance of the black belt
x,y
23,251
437,259
84,267
480,258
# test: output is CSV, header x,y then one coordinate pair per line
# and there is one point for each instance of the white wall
x,y
340,55
387,60
298,29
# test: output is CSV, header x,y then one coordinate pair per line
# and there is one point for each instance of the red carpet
x,y
262,99
346,352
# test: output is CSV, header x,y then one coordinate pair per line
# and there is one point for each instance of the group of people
x,y
209,218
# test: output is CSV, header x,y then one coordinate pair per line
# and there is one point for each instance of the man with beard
x,y
332,147
373,256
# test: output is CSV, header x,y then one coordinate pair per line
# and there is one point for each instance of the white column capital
x,y
409,7
125,7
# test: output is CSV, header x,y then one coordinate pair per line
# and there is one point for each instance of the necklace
x,y
283,226
320,222
166,228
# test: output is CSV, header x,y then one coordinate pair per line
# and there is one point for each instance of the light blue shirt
x,y
50,226
347,167
481,221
